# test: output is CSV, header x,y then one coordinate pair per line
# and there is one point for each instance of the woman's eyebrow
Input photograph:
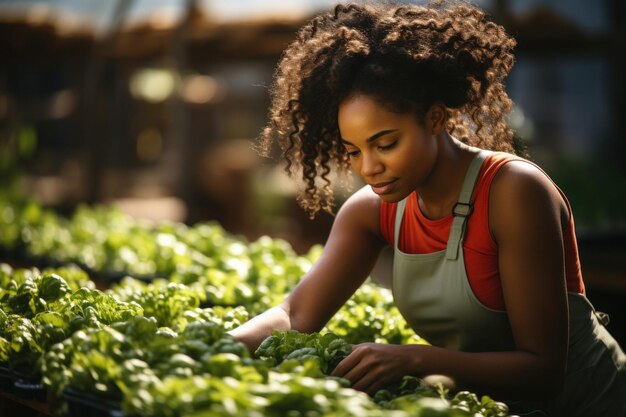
x,y
374,136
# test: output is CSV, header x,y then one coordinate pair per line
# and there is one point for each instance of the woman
x,y
486,267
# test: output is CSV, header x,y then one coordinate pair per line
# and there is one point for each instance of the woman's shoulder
x,y
520,187
495,160
512,172
508,170
361,211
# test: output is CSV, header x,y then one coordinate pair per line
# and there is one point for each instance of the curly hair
x,y
407,57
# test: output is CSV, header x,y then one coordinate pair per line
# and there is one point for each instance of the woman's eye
x,y
353,154
389,146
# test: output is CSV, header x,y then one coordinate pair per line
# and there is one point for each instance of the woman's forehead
x,y
361,116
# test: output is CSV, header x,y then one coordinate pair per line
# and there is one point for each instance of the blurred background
x,y
152,105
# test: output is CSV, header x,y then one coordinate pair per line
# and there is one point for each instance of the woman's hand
x,y
372,366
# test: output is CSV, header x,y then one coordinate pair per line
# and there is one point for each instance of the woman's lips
x,y
382,187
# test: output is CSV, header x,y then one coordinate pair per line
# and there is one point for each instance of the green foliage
x,y
371,316
229,270
39,310
326,349
122,361
162,348
166,301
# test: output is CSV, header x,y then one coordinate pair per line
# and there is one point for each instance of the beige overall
x,y
434,296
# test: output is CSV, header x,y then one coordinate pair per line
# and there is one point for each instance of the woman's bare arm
x,y
349,255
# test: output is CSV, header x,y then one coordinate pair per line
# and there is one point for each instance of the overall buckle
x,y
462,209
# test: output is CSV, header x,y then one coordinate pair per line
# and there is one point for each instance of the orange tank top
x,y
419,234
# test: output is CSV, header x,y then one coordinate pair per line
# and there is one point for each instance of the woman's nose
x,y
370,165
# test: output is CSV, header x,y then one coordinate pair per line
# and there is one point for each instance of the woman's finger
x,y
357,372
367,381
346,364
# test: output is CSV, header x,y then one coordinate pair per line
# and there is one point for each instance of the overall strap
x,y
463,209
399,215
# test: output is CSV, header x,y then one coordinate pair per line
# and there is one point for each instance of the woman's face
x,y
392,152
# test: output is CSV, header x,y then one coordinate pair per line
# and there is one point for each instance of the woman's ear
x,y
436,118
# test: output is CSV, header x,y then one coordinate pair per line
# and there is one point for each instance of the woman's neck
x,y
441,192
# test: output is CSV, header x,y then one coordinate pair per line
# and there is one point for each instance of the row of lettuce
x,y
161,348
110,245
